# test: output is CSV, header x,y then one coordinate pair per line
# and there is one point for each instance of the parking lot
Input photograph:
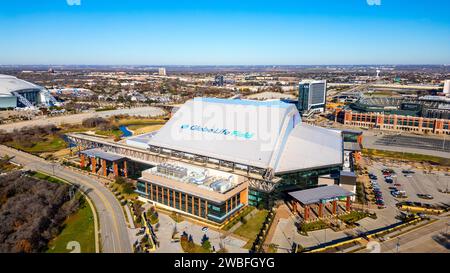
x,y
416,183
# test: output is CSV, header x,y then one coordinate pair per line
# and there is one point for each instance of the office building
x,y
312,96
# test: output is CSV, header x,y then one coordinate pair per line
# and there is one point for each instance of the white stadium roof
x,y
264,134
309,147
10,84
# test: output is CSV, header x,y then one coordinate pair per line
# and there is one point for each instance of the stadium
x,y
426,106
215,156
17,93
427,114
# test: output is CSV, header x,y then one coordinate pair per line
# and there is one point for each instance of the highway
x,y
113,228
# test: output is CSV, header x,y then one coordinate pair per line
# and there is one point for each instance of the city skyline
x,y
224,33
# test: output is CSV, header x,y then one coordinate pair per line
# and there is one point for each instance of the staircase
x,y
50,98
23,100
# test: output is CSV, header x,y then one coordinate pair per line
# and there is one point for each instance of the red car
x,y
398,185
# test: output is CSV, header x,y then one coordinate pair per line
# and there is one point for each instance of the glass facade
x,y
303,97
31,95
197,206
289,182
311,96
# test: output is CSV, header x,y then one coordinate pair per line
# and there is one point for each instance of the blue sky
x,y
217,32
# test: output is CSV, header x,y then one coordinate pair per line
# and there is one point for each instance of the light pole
x,y
443,143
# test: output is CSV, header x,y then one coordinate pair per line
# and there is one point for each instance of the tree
x,y
206,244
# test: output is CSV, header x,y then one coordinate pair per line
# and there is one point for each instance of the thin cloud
x,y
374,2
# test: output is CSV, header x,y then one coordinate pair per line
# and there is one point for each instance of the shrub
x,y
120,180
127,188
206,245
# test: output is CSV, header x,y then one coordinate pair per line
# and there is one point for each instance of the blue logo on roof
x,y
226,132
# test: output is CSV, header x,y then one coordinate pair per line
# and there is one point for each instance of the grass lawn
x,y
241,215
43,176
114,133
78,227
407,156
253,225
50,144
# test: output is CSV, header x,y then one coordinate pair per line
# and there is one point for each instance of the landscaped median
x,y
406,156
364,237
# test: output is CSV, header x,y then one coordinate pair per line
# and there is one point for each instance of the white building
x,y
447,87
15,92
162,71
312,96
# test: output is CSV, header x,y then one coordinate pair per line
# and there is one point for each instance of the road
x,y
78,118
372,140
418,240
113,227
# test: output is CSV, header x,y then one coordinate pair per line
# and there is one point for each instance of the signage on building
x,y
226,132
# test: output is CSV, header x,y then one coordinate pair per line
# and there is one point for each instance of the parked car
x,y
425,196
397,184
399,194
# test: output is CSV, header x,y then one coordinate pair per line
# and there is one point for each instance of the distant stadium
x,y
17,93
427,114
426,106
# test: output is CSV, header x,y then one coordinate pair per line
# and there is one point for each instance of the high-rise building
x,y
162,71
312,96
218,80
447,87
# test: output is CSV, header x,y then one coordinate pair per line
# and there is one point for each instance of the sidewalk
x,y
282,212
